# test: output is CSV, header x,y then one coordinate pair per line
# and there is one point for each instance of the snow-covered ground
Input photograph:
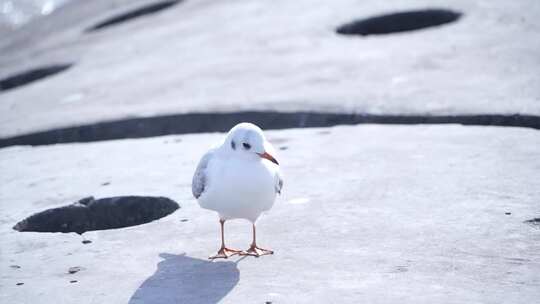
x,y
270,55
369,214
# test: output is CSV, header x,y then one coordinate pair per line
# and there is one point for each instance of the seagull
x,y
238,179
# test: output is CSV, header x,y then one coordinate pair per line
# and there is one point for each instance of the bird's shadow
x,y
183,279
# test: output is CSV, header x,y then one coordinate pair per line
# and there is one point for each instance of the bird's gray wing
x,y
200,179
279,182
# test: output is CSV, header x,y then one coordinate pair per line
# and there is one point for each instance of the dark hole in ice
x,y
107,213
136,13
29,76
399,22
221,122
534,222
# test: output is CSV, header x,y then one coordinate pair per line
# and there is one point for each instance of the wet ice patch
x,y
133,14
32,75
535,222
89,214
399,22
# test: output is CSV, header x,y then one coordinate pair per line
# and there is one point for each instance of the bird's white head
x,y
247,140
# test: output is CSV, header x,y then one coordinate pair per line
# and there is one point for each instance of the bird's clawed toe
x,y
256,251
224,253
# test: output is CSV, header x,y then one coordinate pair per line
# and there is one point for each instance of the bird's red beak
x,y
269,157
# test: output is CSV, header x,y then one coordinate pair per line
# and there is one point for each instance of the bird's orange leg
x,y
255,250
224,252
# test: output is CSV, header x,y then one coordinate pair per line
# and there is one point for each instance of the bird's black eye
x,y
233,145
246,146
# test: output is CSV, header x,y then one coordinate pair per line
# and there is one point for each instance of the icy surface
x,y
270,55
369,214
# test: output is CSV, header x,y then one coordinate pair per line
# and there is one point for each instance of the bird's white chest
x,y
239,188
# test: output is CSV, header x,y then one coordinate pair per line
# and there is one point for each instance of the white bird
x,y
239,180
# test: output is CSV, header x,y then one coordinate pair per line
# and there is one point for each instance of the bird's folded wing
x,y
200,177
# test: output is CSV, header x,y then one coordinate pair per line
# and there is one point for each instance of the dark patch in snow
x,y
26,77
535,222
75,269
222,122
399,269
399,22
136,13
89,214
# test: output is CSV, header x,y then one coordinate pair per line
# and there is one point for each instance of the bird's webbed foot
x,y
224,253
256,251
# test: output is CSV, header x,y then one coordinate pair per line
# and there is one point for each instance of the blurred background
x,y
15,13
120,68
